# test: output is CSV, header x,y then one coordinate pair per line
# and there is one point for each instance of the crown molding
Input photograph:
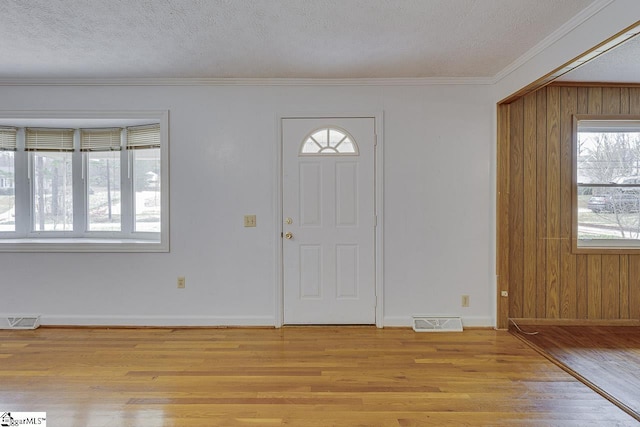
x,y
552,38
409,81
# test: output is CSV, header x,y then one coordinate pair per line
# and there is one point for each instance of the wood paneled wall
x,y
544,278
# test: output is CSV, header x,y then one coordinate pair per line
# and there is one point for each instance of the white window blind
x,y
139,137
7,139
43,139
106,139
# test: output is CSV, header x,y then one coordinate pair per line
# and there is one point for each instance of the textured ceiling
x,y
619,65
272,38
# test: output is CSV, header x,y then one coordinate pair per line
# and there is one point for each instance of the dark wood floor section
x,y
325,376
605,357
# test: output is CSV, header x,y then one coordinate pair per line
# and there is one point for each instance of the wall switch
x,y
465,300
181,282
249,220
504,293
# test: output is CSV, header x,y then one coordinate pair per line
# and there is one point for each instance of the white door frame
x,y
379,204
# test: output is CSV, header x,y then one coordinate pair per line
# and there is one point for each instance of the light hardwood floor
x,y
297,376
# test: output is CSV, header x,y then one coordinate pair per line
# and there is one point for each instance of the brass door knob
x,y
288,235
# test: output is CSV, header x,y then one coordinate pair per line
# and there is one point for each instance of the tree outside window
x,y
608,183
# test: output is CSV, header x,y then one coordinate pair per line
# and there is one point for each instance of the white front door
x,y
329,220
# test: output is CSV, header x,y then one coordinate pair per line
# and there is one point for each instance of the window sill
x,y
608,246
82,245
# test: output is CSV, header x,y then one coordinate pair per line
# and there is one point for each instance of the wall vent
x,y
437,324
20,322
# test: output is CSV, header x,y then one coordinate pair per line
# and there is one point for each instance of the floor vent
x,y
20,322
437,324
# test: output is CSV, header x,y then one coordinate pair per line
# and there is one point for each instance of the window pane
x,y
321,137
146,167
608,213
329,141
52,192
7,191
346,146
335,136
310,147
608,157
103,190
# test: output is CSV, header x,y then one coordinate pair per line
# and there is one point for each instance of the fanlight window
x,y
329,141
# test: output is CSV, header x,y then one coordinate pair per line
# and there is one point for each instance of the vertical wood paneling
x,y
516,209
610,286
611,100
594,281
535,168
582,291
624,287
624,100
568,292
541,203
634,100
530,181
502,228
581,260
595,100
553,202
634,286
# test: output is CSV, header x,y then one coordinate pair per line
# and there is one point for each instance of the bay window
x,y
7,179
85,187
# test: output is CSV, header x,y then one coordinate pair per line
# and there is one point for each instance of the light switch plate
x,y
249,220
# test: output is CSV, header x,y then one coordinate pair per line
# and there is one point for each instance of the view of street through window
x,y
608,174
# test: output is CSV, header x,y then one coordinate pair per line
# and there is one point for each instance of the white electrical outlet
x,y
465,300
181,282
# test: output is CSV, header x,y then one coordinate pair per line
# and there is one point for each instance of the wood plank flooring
x,y
606,357
295,376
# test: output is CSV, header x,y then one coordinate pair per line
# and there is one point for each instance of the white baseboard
x,y
162,321
213,321
472,322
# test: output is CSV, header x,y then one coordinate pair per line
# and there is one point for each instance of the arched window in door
x,y
329,141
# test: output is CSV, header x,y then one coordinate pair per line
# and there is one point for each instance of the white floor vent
x,y
20,322
437,324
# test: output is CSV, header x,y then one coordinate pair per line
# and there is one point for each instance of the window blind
x,y
147,136
105,139
8,139
43,139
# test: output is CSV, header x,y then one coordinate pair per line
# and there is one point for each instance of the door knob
x,y
288,235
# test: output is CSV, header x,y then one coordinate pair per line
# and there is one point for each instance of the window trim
x,y
93,241
599,246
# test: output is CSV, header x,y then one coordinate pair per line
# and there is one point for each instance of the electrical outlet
x,y
249,220
181,282
465,300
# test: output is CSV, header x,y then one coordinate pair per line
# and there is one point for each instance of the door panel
x,y
328,208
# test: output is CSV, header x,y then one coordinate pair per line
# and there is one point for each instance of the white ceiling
x,y
619,65
84,39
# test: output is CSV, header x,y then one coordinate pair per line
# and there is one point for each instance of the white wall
x,y
223,145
